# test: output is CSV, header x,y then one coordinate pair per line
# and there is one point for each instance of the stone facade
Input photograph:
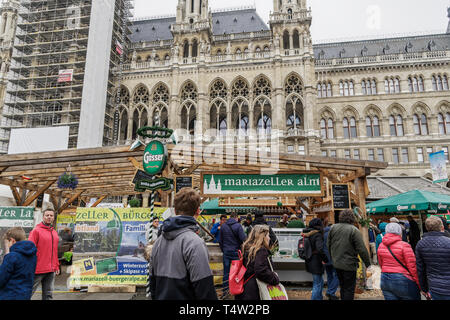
x,y
382,99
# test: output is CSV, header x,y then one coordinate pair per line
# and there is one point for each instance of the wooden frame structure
x,y
109,171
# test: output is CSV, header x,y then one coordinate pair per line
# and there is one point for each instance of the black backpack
x,y
304,248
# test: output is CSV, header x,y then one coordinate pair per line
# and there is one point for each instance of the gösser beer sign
x,y
155,157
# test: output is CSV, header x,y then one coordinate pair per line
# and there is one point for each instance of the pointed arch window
x,y
349,128
444,123
286,40
420,124
296,39
372,126
396,125
327,128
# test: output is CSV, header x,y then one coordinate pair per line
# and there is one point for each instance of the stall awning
x,y
414,200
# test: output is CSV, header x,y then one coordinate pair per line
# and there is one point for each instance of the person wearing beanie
x,y
399,279
259,219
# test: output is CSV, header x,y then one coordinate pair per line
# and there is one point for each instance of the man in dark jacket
x,y
433,260
259,219
345,243
315,264
332,278
179,260
17,270
232,236
414,232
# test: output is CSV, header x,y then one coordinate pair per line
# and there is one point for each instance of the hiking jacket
x,y
17,272
260,269
231,236
46,241
180,263
402,250
345,243
433,263
314,265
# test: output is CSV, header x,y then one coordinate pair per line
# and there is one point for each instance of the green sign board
x,y
294,184
163,184
155,157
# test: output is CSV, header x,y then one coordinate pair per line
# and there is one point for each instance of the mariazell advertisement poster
x,y
111,242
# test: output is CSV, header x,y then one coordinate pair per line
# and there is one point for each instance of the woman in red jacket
x,y
399,280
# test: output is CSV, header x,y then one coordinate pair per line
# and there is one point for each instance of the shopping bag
x,y
270,292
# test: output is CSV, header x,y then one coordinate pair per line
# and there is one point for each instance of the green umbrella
x,y
414,200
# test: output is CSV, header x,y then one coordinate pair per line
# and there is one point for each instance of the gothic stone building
x,y
382,99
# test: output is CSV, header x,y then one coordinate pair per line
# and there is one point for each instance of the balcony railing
x,y
389,58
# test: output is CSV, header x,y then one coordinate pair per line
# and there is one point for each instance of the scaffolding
x,y
48,64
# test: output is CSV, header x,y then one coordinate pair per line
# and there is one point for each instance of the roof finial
x,y
448,15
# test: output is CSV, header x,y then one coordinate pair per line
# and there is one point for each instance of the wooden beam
x,y
69,201
37,193
16,195
96,203
138,165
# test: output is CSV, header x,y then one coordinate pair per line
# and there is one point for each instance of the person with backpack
x,y
399,279
345,243
313,235
256,252
231,238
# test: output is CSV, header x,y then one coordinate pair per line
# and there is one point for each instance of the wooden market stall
x,y
111,171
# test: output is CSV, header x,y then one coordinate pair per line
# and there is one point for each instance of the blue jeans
x,y
228,256
435,296
396,286
317,287
332,280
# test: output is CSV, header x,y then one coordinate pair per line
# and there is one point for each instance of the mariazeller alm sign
x,y
255,184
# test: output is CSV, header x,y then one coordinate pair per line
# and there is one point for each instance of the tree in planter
x,y
135,203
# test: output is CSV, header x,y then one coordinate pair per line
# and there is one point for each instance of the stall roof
x,y
384,187
108,171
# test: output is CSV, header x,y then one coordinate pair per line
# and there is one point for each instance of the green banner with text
x,y
217,184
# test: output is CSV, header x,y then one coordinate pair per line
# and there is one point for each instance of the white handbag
x,y
269,292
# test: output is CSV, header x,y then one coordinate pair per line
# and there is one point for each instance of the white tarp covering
x,y
38,140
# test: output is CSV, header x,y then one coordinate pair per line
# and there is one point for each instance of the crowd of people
x,y
413,263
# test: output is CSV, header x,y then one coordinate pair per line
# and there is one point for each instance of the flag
x,y
65,75
119,48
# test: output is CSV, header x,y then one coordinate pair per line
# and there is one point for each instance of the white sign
x,y
65,75
438,163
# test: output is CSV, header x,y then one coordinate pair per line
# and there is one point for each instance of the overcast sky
x,y
339,19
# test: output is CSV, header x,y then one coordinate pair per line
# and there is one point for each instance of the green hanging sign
x,y
155,157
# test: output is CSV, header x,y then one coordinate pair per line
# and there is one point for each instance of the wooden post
x,y
361,194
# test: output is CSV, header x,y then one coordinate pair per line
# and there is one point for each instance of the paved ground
x,y
295,293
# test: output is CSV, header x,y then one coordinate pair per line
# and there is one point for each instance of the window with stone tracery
x,y
189,91
262,87
218,117
123,96
240,117
160,116
218,90
293,84
294,114
141,95
240,89
161,94
263,116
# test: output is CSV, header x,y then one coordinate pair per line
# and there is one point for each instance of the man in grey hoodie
x,y
179,261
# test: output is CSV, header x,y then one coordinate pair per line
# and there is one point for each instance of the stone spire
x,y
448,15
